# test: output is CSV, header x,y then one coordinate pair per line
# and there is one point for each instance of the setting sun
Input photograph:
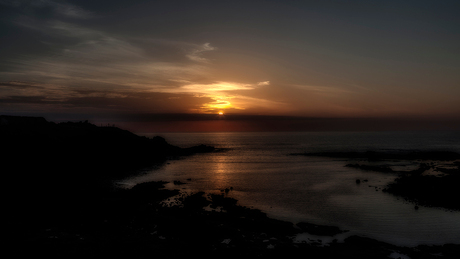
x,y
221,113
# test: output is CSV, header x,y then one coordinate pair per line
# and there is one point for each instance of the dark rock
x,y
383,168
427,190
319,230
400,155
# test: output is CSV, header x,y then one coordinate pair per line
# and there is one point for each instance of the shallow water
x,y
313,189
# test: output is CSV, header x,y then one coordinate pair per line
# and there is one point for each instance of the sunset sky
x,y
177,64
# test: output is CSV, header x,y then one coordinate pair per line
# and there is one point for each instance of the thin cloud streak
x,y
69,9
98,57
196,54
59,8
214,87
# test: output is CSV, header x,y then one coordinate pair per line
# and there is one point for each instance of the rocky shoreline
x,y
431,190
434,183
63,204
138,223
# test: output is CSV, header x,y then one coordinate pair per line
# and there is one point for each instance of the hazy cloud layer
x,y
94,65
271,58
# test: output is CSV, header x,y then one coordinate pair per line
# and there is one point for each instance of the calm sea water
x,y
314,189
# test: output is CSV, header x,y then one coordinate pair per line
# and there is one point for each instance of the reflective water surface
x,y
263,175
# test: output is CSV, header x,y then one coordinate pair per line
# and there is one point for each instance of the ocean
x,y
259,171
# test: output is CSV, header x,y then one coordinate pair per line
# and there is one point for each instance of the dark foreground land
x,y
61,204
137,224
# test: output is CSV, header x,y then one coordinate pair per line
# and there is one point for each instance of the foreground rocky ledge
x,y
150,221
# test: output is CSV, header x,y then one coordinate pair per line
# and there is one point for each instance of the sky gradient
x,y
167,63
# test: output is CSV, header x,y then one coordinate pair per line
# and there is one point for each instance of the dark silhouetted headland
x,y
54,171
76,142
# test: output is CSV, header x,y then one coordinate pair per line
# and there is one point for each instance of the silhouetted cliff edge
x,y
35,142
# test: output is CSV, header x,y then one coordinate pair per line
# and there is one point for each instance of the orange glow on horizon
x,y
220,102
